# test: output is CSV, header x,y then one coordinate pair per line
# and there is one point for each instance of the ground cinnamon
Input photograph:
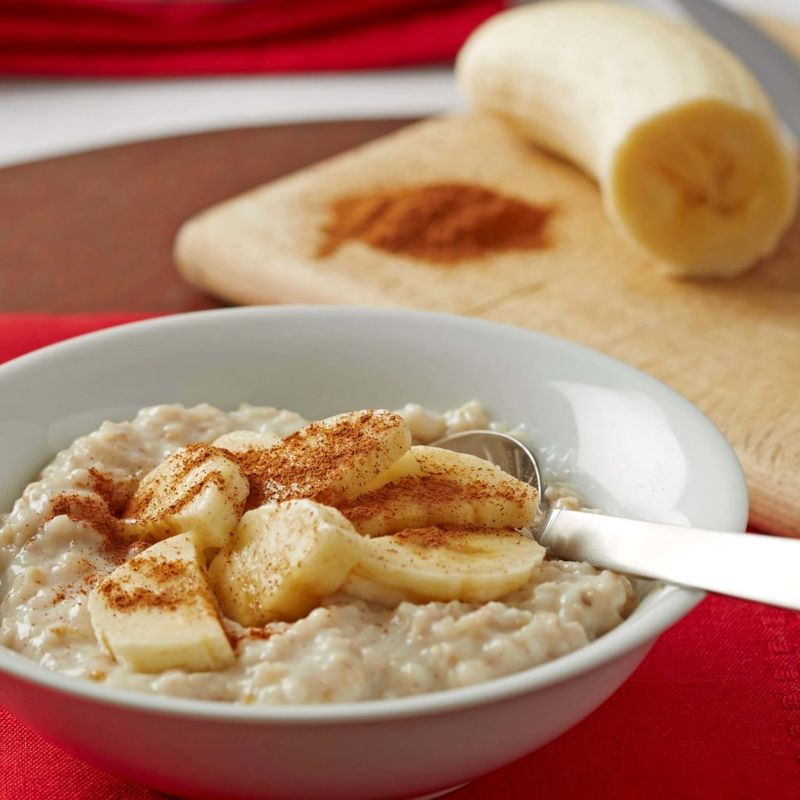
x,y
439,222
115,492
89,508
94,510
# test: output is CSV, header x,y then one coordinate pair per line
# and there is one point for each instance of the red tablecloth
x,y
201,37
713,713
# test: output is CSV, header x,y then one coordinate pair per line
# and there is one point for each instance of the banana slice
x,y
432,486
682,139
474,566
156,612
330,461
364,588
199,488
284,558
243,441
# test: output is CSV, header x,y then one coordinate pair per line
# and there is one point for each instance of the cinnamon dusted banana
x,y
330,461
433,486
683,141
199,489
156,611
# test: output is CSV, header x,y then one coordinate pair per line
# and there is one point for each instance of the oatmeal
x,y
80,551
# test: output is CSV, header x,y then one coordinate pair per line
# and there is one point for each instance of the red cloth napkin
x,y
713,713
149,37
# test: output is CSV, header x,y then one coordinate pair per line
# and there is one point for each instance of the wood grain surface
x,y
94,231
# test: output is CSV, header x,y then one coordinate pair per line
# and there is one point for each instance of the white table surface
x,y
43,118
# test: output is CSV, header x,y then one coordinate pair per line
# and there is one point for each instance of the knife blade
x,y
776,70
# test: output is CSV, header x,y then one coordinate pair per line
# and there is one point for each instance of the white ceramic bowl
x,y
628,443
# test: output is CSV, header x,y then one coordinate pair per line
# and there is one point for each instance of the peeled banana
x,y
683,141
433,486
156,611
474,566
284,558
199,489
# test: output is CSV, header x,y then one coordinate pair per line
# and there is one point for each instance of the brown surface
x,y
94,231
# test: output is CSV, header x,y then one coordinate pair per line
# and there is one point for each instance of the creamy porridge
x,y
62,540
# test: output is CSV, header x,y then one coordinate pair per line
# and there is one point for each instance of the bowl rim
x,y
669,603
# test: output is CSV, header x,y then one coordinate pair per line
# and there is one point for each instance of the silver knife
x,y
777,70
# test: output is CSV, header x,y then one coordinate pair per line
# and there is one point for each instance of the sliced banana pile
x,y
345,504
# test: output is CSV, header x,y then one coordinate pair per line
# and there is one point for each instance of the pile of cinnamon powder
x,y
440,222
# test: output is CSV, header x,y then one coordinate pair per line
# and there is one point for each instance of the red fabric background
x,y
713,713
149,38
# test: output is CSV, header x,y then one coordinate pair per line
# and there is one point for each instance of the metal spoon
x,y
753,567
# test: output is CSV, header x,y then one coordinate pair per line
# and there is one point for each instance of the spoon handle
x,y
751,566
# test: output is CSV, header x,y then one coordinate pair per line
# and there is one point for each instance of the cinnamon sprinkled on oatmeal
x,y
94,511
116,493
88,508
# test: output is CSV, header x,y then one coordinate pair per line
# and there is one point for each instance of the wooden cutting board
x,y
731,347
